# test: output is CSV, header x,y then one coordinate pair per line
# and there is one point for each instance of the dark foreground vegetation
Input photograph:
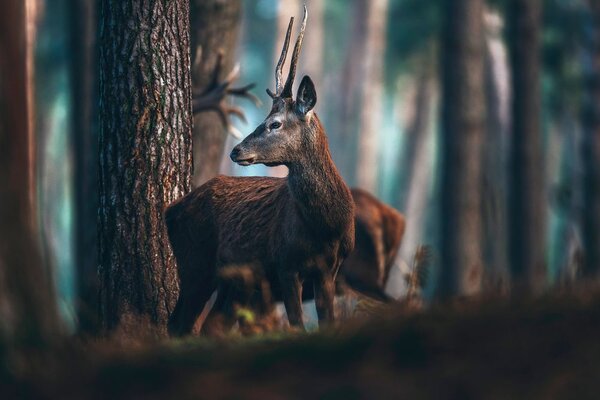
x,y
544,348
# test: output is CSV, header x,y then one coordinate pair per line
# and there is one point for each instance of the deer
x,y
297,229
379,229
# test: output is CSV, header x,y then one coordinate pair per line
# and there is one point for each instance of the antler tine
x,y
282,57
287,90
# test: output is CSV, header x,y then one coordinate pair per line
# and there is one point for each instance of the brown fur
x,y
379,232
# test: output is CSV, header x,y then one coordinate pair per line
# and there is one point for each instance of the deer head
x,y
282,138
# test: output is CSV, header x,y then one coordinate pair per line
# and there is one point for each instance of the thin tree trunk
x,y
215,26
349,94
372,95
494,185
145,157
591,150
27,304
527,205
463,128
85,152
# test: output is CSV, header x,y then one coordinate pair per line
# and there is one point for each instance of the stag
x,y
297,229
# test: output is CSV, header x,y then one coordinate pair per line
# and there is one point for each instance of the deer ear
x,y
306,97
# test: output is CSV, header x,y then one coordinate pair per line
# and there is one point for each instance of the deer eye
x,y
275,125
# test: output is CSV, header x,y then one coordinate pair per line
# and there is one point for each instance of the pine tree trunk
x,y
85,153
215,26
463,128
371,82
145,156
527,206
591,150
28,312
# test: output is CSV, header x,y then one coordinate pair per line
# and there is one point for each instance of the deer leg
x,y
324,289
188,308
291,291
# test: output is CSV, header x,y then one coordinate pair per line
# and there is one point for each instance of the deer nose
x,y
235,153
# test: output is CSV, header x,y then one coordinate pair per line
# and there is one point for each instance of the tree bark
x,y
145,156
85,153
371,82
215,28
527,206
463,127
591,149
27,304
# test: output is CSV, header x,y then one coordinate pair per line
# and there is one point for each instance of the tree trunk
x,y
85,153
145,157
463,128
495,149
527,206
349,94
371,82
27,304
591,150
215,27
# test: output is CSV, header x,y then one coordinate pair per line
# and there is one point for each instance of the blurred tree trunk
x,y
494,189
527,206
28,312
463,129
215,26
145,157
312,64
371,81
85,153
349,93
419,165
591,149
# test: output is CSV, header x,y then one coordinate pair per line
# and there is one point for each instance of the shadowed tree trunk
x,y
591,149
215,28
463,128
371,81
85,153
145,157
27,305
527,205
494,184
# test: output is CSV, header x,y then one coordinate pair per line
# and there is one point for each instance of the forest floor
x,y
546,348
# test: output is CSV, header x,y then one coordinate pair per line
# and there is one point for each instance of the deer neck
x,y
319,192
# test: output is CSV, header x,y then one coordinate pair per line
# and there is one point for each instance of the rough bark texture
x,y
463,127
215,27
591,150
85,153
145,156
371,82
527,205
27,306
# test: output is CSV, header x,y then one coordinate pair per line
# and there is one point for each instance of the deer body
x,y
297,229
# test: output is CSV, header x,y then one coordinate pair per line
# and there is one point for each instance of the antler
x,y
213,97
282,57
287,90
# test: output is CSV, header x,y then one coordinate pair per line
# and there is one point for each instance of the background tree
x,y
84,140
371,90
27,304
145,156
215,26
463,127
591,146
527,206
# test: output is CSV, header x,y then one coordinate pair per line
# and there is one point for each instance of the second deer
x,y
298,229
